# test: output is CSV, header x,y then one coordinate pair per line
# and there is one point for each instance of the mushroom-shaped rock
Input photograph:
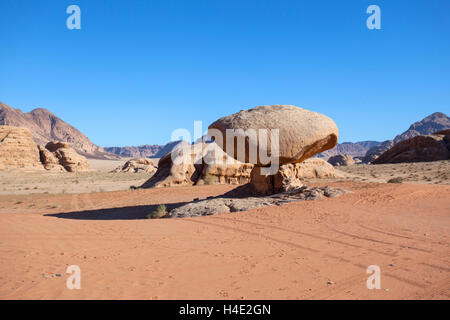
x,y
302,133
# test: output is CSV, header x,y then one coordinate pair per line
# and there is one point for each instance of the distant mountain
x,y
355,149
434,122
45,127
144,151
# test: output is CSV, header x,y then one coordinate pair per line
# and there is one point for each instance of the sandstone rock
x,y
170,173
206,163
302,133
219,168
64,155
137,165
341,160
290,177
18,149
49,160
422,148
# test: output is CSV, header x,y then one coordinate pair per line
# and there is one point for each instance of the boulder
x,y
60,153
136,166
421,148
302,133
18,149
290,177
341,160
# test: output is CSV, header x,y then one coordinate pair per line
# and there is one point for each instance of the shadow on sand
x,y
140,212
121,213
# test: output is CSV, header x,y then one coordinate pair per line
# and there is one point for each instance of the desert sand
x,y
302,250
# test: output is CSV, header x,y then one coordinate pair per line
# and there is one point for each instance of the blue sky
x,y
137,70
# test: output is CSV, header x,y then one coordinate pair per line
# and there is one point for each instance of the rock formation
x,y
226,204
136,166
203,163
17,149
421,148
59,156
291,176
341,160
302,134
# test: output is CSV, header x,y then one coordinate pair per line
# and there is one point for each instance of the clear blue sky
x,y
137,70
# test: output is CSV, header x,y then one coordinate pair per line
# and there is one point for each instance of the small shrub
x,y
159,212
395,180
209,179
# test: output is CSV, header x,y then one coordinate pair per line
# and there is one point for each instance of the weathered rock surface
x,y
422,148
137,165
341,160
204,163
291,176
224,204
302,133
18,149
61,154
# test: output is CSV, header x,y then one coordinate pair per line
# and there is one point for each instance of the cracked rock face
x,y
223,204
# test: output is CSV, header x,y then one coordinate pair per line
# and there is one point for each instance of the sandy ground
x,y
303,250
437,172
99,179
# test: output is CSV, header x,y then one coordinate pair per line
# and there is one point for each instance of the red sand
x,y
304,250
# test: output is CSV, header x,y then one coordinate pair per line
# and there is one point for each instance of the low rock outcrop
x,y
60,156
226,204
136,166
